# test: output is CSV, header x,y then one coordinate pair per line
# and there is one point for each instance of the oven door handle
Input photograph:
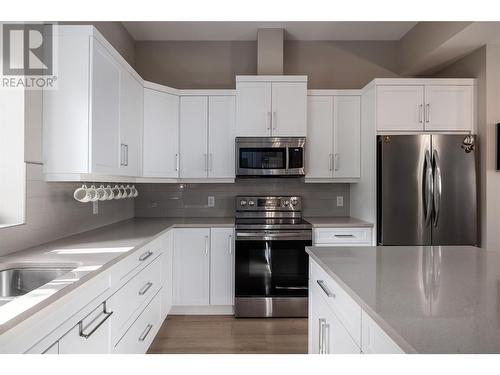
x,y
268,234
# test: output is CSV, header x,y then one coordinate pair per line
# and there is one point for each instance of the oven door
x,y
271,267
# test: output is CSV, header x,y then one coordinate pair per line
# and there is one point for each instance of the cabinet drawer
x,y
346,309
141,333
375,340
135,261
343,236
132,296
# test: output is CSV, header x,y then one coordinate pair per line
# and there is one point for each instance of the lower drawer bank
x,y
337,324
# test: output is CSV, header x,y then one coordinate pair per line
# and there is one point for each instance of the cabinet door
x,y
131,123
221,130
161,134
400,108
193,136
105,128
449,108
90,336
191,266
167,269
374,340
319,151
253,109
314,321
222,266
346,136
289,109
335,337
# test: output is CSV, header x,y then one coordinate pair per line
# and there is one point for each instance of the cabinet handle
x,y
343,235
320,341
327,291
330,161
145,288
145,256
270,120
177,162
206,162
428,113
420,113
106,314
326,338
126,155
145,333
206,245
211,162
230,239
275,120
122,154
336,162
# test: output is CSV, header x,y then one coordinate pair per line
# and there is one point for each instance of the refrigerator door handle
x,y
429,188
437,187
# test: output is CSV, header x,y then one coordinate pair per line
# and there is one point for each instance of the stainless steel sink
x,y
16,282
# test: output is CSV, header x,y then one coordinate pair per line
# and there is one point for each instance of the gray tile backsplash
x,y
186,200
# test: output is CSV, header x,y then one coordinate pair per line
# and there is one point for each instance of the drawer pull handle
x,y
145,256
344,235
327,291
145,288
145,334
107,314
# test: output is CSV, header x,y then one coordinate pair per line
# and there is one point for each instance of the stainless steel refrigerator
x,y
427,190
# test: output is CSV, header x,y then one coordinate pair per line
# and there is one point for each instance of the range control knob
x,y
286,203
294,201
243,203
251,203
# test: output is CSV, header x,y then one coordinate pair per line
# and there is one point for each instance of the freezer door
x,y
404,200
455,190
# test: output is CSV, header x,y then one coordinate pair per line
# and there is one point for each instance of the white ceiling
x,y
205,31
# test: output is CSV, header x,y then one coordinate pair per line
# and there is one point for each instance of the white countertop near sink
x,y
89,253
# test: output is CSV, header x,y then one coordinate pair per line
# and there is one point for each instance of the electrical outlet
x,y
95,208
211,201
340,201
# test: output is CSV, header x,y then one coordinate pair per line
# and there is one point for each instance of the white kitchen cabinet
x,y
319,148
418,105
375,340
167,269
105,98
221,133
191,266
193,136
333,137
342,236
400,108
327,335
449,108
92,120
90,336
253,109
221,266
271,106
161,134
289,109
131,124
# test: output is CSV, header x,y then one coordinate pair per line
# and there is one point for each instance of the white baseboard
x,y
202,310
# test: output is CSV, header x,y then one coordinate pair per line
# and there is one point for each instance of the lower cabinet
x,y
327,335
352,236
203,266
90,335
375,340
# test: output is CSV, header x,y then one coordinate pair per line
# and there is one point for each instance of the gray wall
x,y
185,200
198,65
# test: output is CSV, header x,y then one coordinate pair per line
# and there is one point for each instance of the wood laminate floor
x,y
223,334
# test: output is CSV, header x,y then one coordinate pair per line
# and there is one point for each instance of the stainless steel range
x,y
271,265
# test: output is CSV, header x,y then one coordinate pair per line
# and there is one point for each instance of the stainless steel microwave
x,y
270,156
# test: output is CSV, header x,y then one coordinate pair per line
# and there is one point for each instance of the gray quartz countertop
x,y
429,299
87,254
337,222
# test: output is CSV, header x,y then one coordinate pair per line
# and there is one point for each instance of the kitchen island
x,y
413,299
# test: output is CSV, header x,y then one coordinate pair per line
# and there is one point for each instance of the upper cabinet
x,y
207,124
161,134
333,136
92,121
425,105
271,106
